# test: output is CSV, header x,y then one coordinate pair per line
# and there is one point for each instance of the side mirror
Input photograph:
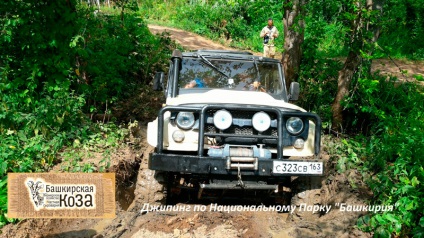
x,y
294,91
158,81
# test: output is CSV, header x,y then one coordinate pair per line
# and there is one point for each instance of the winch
x,y
240,151
241,157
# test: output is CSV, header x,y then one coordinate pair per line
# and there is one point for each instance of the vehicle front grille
x,y
210,129
243,131
242,125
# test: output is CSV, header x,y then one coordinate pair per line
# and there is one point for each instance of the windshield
x,y
196,73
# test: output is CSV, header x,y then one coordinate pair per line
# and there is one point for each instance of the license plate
x,y
300,167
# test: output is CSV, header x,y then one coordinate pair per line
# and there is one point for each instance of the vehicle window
x,y
242,75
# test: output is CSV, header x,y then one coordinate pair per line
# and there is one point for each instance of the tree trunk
x,y
349,68
373,26
358,43
294,26
344,79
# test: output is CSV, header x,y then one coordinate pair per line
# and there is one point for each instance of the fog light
x,y
178,136
299,143
261,121
222,119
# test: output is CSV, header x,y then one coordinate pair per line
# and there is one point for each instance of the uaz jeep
x,y
228,125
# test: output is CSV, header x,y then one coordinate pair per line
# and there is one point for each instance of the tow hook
x,y
240,181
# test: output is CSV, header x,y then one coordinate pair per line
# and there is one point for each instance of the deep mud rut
x,y
136,185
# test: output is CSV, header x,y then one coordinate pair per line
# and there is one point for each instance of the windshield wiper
x,y
212,66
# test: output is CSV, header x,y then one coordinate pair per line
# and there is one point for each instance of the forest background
x,y
74,75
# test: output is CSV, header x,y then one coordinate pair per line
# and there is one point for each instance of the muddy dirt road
x,y
136,186
188,40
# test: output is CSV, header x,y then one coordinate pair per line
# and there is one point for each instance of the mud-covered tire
x,y
305,191
153,187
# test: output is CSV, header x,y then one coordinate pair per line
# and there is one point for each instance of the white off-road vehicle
x,y
228,125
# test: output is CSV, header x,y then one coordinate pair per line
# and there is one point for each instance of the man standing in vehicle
x,y
269,33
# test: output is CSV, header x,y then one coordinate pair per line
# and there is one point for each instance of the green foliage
x,y
3,203
126,4
59,61
394,118
350,159
403,29
38,106
396,147
389,115
401,24
92,152
318,81
237,22
114,58
318,76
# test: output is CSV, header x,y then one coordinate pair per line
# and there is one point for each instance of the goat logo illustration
x,y
36,196
58,195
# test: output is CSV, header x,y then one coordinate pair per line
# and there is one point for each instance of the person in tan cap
x,y
269,33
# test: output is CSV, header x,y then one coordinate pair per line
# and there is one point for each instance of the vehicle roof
x,y
228,54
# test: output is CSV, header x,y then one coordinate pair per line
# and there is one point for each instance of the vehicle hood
x,y
218,96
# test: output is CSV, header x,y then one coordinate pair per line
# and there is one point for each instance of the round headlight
x,y
294,125
185,120
222,119
261,121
